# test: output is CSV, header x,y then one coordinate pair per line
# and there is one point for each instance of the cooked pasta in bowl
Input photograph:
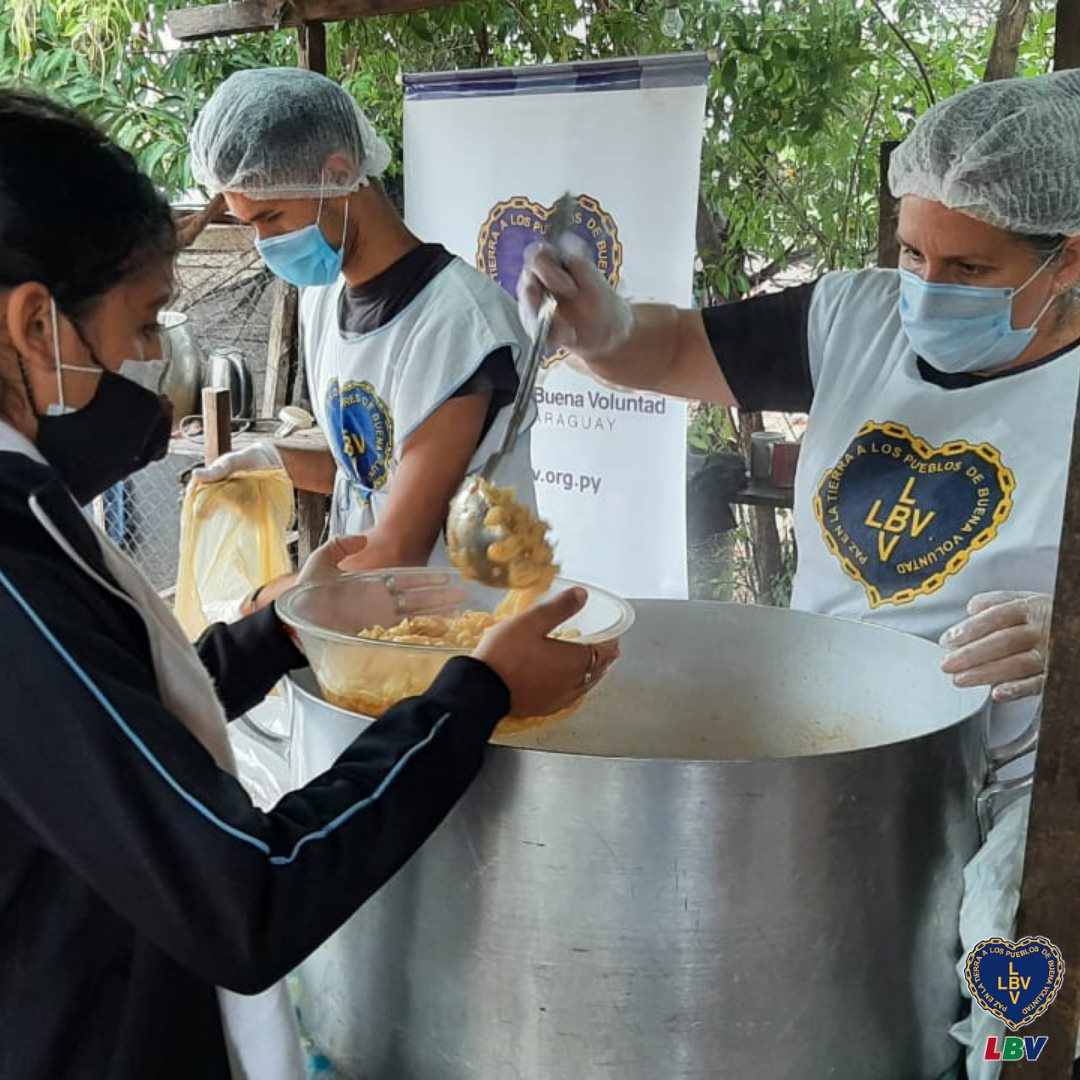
x,y
391,656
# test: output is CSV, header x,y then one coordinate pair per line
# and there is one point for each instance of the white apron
x,y
911,498
371,391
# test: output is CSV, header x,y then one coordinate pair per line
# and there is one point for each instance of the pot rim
x,y
979,713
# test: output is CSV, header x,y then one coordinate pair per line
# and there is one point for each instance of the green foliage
x,y
800,96
109,59
711,430
713,572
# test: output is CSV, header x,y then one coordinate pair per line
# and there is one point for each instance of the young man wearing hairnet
x,y
411,355
941,397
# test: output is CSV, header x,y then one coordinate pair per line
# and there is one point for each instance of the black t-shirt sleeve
x,y
761,347
496,376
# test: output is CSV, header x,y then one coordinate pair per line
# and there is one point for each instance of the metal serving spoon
x,y
467,535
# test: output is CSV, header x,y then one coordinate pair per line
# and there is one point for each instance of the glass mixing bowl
x,y
367,676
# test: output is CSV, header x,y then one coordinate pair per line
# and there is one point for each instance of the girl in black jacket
x,y
136,876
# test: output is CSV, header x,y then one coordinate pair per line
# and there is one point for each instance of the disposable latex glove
x,y
1003,643
260,455
591,319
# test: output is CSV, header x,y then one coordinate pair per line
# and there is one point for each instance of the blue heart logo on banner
x,y
512,225
1016,981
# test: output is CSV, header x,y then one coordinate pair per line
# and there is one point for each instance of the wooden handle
x,y
217,426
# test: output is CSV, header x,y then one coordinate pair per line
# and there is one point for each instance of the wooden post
x,y
217,422
281,353
1050,894
311,513
1067,35
312,46
888,210
311,509
1051,884
764,533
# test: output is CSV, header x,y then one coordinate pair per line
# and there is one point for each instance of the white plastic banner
x,y
487,153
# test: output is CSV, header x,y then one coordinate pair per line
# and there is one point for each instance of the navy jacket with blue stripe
x,y
135,876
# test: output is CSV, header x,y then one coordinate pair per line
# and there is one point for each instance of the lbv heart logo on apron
x,y
1016,981
513,225
902,516
360,431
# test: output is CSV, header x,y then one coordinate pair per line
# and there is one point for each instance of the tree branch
x,y
900,36
786,199
1012,17
771,269
856,166
710,232
483,46
540,44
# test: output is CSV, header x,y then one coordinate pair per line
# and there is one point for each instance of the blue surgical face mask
x,y
965,328
303,257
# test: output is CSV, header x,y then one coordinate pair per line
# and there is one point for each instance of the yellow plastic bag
x,y
232,540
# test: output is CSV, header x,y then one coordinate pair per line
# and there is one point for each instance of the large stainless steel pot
x,y
741,859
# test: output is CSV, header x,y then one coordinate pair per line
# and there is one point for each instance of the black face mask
x,y
122,429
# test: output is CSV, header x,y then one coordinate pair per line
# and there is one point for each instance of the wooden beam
x,y
1051,884
254,16
194,446
311,46
1067,35
190,226
888,210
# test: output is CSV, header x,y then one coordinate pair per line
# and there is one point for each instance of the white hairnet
x,y
1005,152
268,133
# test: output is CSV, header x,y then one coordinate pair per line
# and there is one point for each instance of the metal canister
x,y
761,451
228,368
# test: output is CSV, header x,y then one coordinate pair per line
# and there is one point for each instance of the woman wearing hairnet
x,y
941,396
411,355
